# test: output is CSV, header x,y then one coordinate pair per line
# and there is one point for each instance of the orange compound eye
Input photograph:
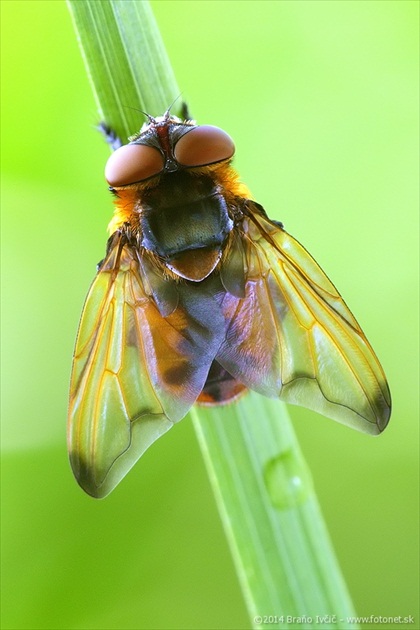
x,y
133,163
204,145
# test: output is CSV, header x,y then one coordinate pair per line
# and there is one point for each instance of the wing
x,y
135,372
292,335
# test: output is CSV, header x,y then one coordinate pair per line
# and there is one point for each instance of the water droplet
x,y
287,480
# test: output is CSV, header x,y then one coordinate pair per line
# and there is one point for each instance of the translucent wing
x,y
293,336
135,372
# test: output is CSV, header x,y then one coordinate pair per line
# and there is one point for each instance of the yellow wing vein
x,y
338,357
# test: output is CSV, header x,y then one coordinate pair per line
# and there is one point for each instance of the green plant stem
x,y
271,517
282,553
125,60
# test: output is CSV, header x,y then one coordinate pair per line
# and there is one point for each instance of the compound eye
x,y
133,163
204,145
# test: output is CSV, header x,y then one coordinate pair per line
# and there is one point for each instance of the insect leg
x,y
110,136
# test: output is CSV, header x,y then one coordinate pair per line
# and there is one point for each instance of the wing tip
x,y
87,478
382,420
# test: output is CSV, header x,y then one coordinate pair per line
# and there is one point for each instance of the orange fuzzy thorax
x,y
128,203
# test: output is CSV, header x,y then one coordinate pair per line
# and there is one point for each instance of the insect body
x,y
200,297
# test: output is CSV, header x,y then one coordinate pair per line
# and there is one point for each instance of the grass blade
x,y
125,60
271,516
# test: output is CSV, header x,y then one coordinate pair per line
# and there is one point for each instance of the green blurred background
x,y
321,98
